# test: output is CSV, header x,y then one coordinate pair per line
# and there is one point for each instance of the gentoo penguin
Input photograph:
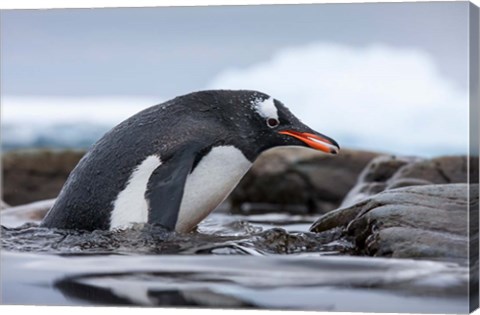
x,y
173,163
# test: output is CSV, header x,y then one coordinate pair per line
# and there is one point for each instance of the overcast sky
x,y
163,52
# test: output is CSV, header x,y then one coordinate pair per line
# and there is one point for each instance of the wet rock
x,y
408,207
31,175
298,180
447,169
389,172
427,221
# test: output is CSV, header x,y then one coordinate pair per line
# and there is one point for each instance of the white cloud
x,y
377,97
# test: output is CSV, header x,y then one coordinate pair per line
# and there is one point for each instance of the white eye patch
x,y
265,108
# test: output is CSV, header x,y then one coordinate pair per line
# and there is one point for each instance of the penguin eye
x,y
272,122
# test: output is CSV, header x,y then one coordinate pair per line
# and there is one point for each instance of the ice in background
x,y
63,122
375,98
379,88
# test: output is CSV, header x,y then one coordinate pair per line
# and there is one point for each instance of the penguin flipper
x,y
165,190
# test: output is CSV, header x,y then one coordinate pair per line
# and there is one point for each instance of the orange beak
x,y
314,141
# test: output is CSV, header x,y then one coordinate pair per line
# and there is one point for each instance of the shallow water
x,y
219,234
256,261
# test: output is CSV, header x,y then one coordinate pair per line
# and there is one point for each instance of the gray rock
x,y
298,180
427,221
389,172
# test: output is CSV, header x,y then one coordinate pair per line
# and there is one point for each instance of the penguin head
x,y
281,128
257,122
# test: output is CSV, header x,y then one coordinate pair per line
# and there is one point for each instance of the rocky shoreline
x,y
404,207
33,175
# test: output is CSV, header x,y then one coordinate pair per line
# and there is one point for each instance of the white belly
x,y
130,206
209,184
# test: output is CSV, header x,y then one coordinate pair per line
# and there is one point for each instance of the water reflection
x,y
258,261
302,282
131,289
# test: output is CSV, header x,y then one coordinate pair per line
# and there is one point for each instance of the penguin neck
x,y
220,153
248,151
